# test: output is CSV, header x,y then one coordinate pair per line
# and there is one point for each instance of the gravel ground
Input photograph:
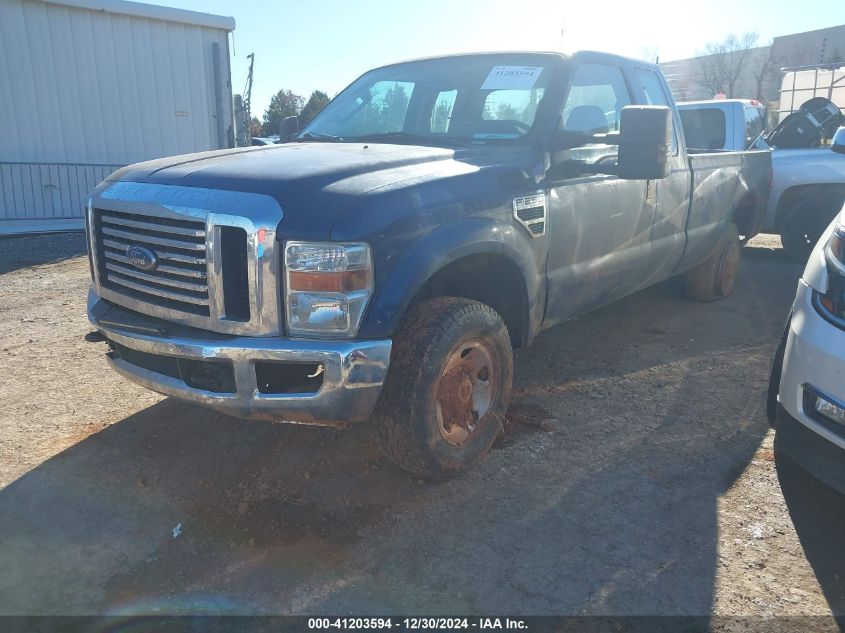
x,y
636,477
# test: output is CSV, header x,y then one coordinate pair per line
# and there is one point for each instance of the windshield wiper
x,y
319,136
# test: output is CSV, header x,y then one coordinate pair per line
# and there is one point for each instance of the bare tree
x,y
723,65
763,69
681,88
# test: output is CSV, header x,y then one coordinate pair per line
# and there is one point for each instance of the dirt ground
x,y
637,477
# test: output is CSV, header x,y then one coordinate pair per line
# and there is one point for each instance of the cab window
x,y
655,94
596,97
512,105
595,100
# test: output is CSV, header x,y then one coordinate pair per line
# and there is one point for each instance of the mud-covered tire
x,y
426,367
805,224
715,277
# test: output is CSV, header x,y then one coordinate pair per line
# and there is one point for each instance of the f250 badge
x,y
141,257
530,212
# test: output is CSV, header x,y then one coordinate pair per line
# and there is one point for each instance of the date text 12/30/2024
x,y
416,624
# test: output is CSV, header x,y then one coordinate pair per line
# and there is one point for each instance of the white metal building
x,y
87,86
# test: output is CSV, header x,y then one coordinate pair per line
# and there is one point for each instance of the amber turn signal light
x,y
345,281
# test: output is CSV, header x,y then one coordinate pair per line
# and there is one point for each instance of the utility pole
x,y
242,107
248,90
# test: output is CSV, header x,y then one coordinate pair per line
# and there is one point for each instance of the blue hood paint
x,y
416,206
346,191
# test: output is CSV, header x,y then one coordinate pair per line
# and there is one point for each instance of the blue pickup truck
x,y
383,264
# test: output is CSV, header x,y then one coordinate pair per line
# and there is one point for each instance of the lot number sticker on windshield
x,y
512,78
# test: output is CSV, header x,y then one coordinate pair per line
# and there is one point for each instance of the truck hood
x,y
315,183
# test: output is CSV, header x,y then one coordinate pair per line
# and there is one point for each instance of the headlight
x,y
327,287
831,304
836,244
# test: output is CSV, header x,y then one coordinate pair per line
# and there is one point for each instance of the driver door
x,y
599,225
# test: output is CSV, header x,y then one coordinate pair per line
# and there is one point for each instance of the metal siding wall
x,y
40,191
83,92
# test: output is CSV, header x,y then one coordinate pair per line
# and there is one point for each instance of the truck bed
x,y
736,180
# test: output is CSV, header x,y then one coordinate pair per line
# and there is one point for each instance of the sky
x,y
326,44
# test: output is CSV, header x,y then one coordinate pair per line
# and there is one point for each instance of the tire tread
x,y
412,352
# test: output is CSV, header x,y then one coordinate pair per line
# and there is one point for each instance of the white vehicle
x,y
807,387
808,187
726,124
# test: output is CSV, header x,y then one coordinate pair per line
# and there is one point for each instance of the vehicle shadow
x,y
95,527
18,252
658,326
818,513
611,509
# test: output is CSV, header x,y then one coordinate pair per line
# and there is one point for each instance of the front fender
x,y
446,244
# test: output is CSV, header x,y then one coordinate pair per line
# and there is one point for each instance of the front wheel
x,y
715,277
448,387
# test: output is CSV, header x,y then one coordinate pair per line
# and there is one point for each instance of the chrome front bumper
x,y
354,372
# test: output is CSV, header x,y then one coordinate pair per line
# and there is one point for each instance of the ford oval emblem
x,y
141,257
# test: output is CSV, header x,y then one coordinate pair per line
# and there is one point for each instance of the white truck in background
x,y
723,124
808,187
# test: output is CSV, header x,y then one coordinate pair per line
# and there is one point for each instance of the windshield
x,y
471,99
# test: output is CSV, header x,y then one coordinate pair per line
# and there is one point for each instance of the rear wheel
x,y
805,224
448,387
715,277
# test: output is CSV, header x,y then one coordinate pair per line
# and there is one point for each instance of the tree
x,y
763,69
394,106
722,66
681,88
316,102
440,117
507,112
283,104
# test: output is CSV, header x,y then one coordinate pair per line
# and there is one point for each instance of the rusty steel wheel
x,y
465,391
715,277
727,269
448,387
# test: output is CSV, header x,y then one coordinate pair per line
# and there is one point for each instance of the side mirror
x,y
838,144
288,128
645,143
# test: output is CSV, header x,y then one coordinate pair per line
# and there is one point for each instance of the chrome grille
x,y
216,250
179,281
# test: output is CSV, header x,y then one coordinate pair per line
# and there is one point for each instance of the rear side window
x,y
704,128
655,95
753,124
